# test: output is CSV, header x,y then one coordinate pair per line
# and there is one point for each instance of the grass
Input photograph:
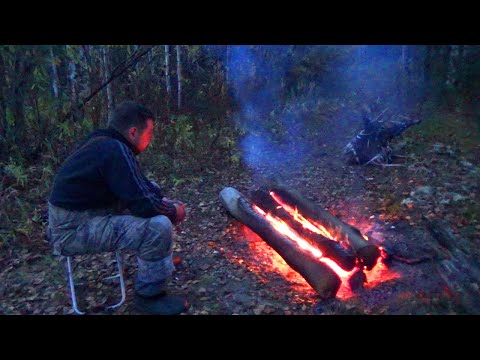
x,y
460,131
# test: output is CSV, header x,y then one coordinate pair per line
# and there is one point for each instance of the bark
x,y
322,279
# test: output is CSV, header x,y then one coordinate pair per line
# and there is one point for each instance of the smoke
x,y
269,120
279,91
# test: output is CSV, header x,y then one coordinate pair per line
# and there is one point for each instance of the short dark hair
x,y
129,114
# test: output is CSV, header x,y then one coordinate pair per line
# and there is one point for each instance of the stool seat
x,y
119,275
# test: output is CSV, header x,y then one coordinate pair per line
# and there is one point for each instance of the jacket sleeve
x,y
125,179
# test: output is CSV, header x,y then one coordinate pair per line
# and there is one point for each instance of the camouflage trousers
x,y
103,230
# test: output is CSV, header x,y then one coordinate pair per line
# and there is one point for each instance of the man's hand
x,y
180,207
181,212
172,201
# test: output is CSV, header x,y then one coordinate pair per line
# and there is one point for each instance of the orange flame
x,y
378,274
317,228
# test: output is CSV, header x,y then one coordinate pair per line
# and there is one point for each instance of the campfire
x,y
333,257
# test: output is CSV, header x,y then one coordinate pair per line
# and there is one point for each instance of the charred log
x,y
366,252
357,280
330,248
320,277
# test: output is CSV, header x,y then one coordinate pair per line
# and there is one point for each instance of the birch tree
x,y
106,76
179,77
55,81
167,74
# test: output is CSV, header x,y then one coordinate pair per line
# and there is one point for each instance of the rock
x,y
457,197
242,298
259,309
466,164
452,197
422,191
408,202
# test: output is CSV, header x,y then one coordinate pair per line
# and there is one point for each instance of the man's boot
x,y
161,304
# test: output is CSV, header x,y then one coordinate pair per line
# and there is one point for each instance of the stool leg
x,y
120,277
72,287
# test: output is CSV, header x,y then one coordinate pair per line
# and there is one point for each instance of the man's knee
x,y
162,224
158,241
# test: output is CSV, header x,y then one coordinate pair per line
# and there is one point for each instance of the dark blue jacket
x,y
102,172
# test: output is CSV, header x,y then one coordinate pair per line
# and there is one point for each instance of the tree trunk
x,y
227,67
427,68
151,58
106,76
460,67
23,69
405,60
3,105
167,75
447,64
72,80
55,81
179,77
322,279
72,74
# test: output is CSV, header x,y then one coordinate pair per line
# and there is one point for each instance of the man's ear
x,y
132,132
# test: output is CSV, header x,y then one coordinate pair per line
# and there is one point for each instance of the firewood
x,y
330,248
320,277
364,250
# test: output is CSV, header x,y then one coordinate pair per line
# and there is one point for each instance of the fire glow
x,y
378,274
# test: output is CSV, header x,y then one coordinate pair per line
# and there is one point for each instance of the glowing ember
x,y
284,229
317,228
378,274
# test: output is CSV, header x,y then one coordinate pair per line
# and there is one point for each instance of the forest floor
x,y
227,269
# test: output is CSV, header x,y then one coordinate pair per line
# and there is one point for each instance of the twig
x,y
378,117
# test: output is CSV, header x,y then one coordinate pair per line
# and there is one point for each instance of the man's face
x,y
141,139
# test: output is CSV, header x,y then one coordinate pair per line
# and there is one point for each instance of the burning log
x,y
365,251
330,248
320,277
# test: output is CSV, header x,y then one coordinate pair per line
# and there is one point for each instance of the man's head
x,y
134,122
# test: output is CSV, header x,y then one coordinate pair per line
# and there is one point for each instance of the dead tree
x,y
372,144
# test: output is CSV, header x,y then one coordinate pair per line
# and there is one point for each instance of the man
x,y
103,175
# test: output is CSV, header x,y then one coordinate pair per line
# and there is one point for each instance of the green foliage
x,y
17,171
182,129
